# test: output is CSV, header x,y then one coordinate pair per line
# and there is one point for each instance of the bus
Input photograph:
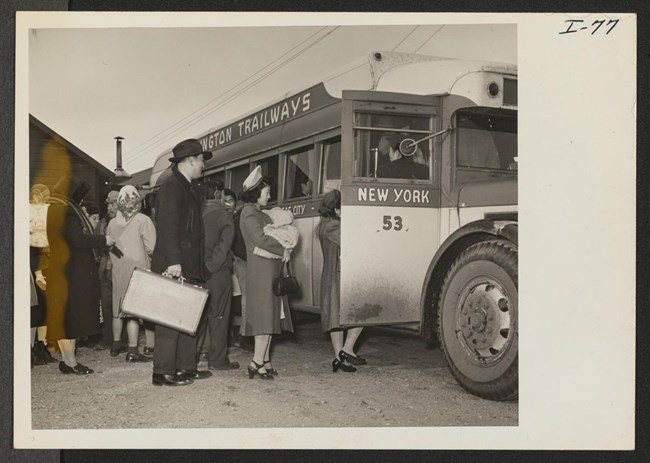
x,y
439,249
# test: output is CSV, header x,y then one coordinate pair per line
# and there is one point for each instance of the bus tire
x,y
477,319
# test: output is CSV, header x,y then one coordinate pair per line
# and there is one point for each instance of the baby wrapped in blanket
x,y
281,229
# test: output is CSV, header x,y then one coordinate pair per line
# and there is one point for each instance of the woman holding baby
x,y
266,314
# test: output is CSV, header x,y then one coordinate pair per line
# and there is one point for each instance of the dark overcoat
x,y
263,308
219,235
329,234
72,293
179,228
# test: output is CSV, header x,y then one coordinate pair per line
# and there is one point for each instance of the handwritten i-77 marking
x,y
600,23
615,21
571,21
597,23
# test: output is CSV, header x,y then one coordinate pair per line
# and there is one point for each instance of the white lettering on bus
x,y
411,196
218,138
372,194
275,113
285,112
298,209
266,118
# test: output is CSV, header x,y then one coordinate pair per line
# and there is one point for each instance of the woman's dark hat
x,y
331,200
187,148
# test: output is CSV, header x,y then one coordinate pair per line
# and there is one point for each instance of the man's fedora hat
x,y
187,148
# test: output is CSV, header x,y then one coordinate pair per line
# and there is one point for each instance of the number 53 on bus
x,y
424,151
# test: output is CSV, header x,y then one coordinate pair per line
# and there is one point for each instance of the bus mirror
x,y
408,147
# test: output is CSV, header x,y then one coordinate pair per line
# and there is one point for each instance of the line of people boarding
x,y
201,236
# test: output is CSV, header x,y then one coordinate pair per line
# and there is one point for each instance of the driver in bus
x,y
399,166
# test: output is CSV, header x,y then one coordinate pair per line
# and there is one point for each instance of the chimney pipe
x,y
119,172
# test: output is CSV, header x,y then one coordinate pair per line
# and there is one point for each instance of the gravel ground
x,y
404,384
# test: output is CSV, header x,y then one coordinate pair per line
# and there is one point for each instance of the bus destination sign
x,y
393,195
279,113
389,196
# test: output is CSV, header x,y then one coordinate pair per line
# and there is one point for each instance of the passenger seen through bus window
x,y
331,166
305,186
399,166
298,182
372,141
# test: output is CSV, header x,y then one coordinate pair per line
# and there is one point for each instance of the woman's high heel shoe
x,y
353,359
269,368
256,371
337,364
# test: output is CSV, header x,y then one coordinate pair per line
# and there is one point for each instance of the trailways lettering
x,y
278,113
384,195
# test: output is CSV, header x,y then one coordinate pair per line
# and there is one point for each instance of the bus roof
x,y
420,74
379,71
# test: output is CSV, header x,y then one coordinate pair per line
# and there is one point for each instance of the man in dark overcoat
x,y
179,252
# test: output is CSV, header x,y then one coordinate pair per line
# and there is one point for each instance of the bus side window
x,y
271,170
298,182
331,168
237,176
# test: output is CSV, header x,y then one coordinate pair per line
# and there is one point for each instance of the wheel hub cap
x,y
485,319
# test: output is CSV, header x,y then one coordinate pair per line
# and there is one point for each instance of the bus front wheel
x,y
477,319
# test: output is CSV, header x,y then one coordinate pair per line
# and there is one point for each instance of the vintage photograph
x,y
238,224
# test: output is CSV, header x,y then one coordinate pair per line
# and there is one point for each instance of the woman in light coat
x,y
135,236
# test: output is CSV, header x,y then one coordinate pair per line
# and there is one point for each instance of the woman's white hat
x,y
253,179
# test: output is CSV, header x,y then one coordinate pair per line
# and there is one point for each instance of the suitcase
x,y
164,300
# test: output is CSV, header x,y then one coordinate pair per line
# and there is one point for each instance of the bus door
x,y
390,204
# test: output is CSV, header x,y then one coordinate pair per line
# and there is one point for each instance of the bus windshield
x,y
486,141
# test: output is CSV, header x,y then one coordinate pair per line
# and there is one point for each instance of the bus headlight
x,y
493,89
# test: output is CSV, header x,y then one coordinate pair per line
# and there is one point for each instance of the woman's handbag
x,y
285,284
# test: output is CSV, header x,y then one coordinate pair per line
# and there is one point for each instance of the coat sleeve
x,y
255,230
219,236
332,231
169,217
74,235
148,233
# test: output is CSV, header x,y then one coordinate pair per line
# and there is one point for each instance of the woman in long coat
x,y
135,235
72,294
266,314
329,234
